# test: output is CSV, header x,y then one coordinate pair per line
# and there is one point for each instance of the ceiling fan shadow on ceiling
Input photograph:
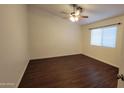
x,y
75,15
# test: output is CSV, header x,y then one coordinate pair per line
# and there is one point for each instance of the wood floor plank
x,y
74,71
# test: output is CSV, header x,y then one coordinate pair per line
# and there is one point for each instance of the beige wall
x,y
109,55
13,44
52,36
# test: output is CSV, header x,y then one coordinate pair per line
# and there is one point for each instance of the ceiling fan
x,y
75,15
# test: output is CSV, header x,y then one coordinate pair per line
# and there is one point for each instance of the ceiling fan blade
x,y
64,13
83,16
65,17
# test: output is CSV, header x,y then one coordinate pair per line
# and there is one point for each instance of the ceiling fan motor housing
x,y
75,9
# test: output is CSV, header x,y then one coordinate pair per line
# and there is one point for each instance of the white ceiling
x,y
95,12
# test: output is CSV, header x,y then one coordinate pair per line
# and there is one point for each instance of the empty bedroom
x,y
61,45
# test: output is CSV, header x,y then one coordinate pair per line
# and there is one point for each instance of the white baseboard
x,y
17,85
35,58
101,60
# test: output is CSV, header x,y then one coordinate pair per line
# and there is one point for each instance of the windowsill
x,y
102,46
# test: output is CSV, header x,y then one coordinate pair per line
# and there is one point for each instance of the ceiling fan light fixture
x,y
74,18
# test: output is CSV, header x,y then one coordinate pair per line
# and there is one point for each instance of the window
x,y
105,36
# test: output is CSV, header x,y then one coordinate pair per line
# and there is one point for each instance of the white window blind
x,y
105,36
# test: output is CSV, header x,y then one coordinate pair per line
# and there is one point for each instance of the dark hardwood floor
x,y
74,71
